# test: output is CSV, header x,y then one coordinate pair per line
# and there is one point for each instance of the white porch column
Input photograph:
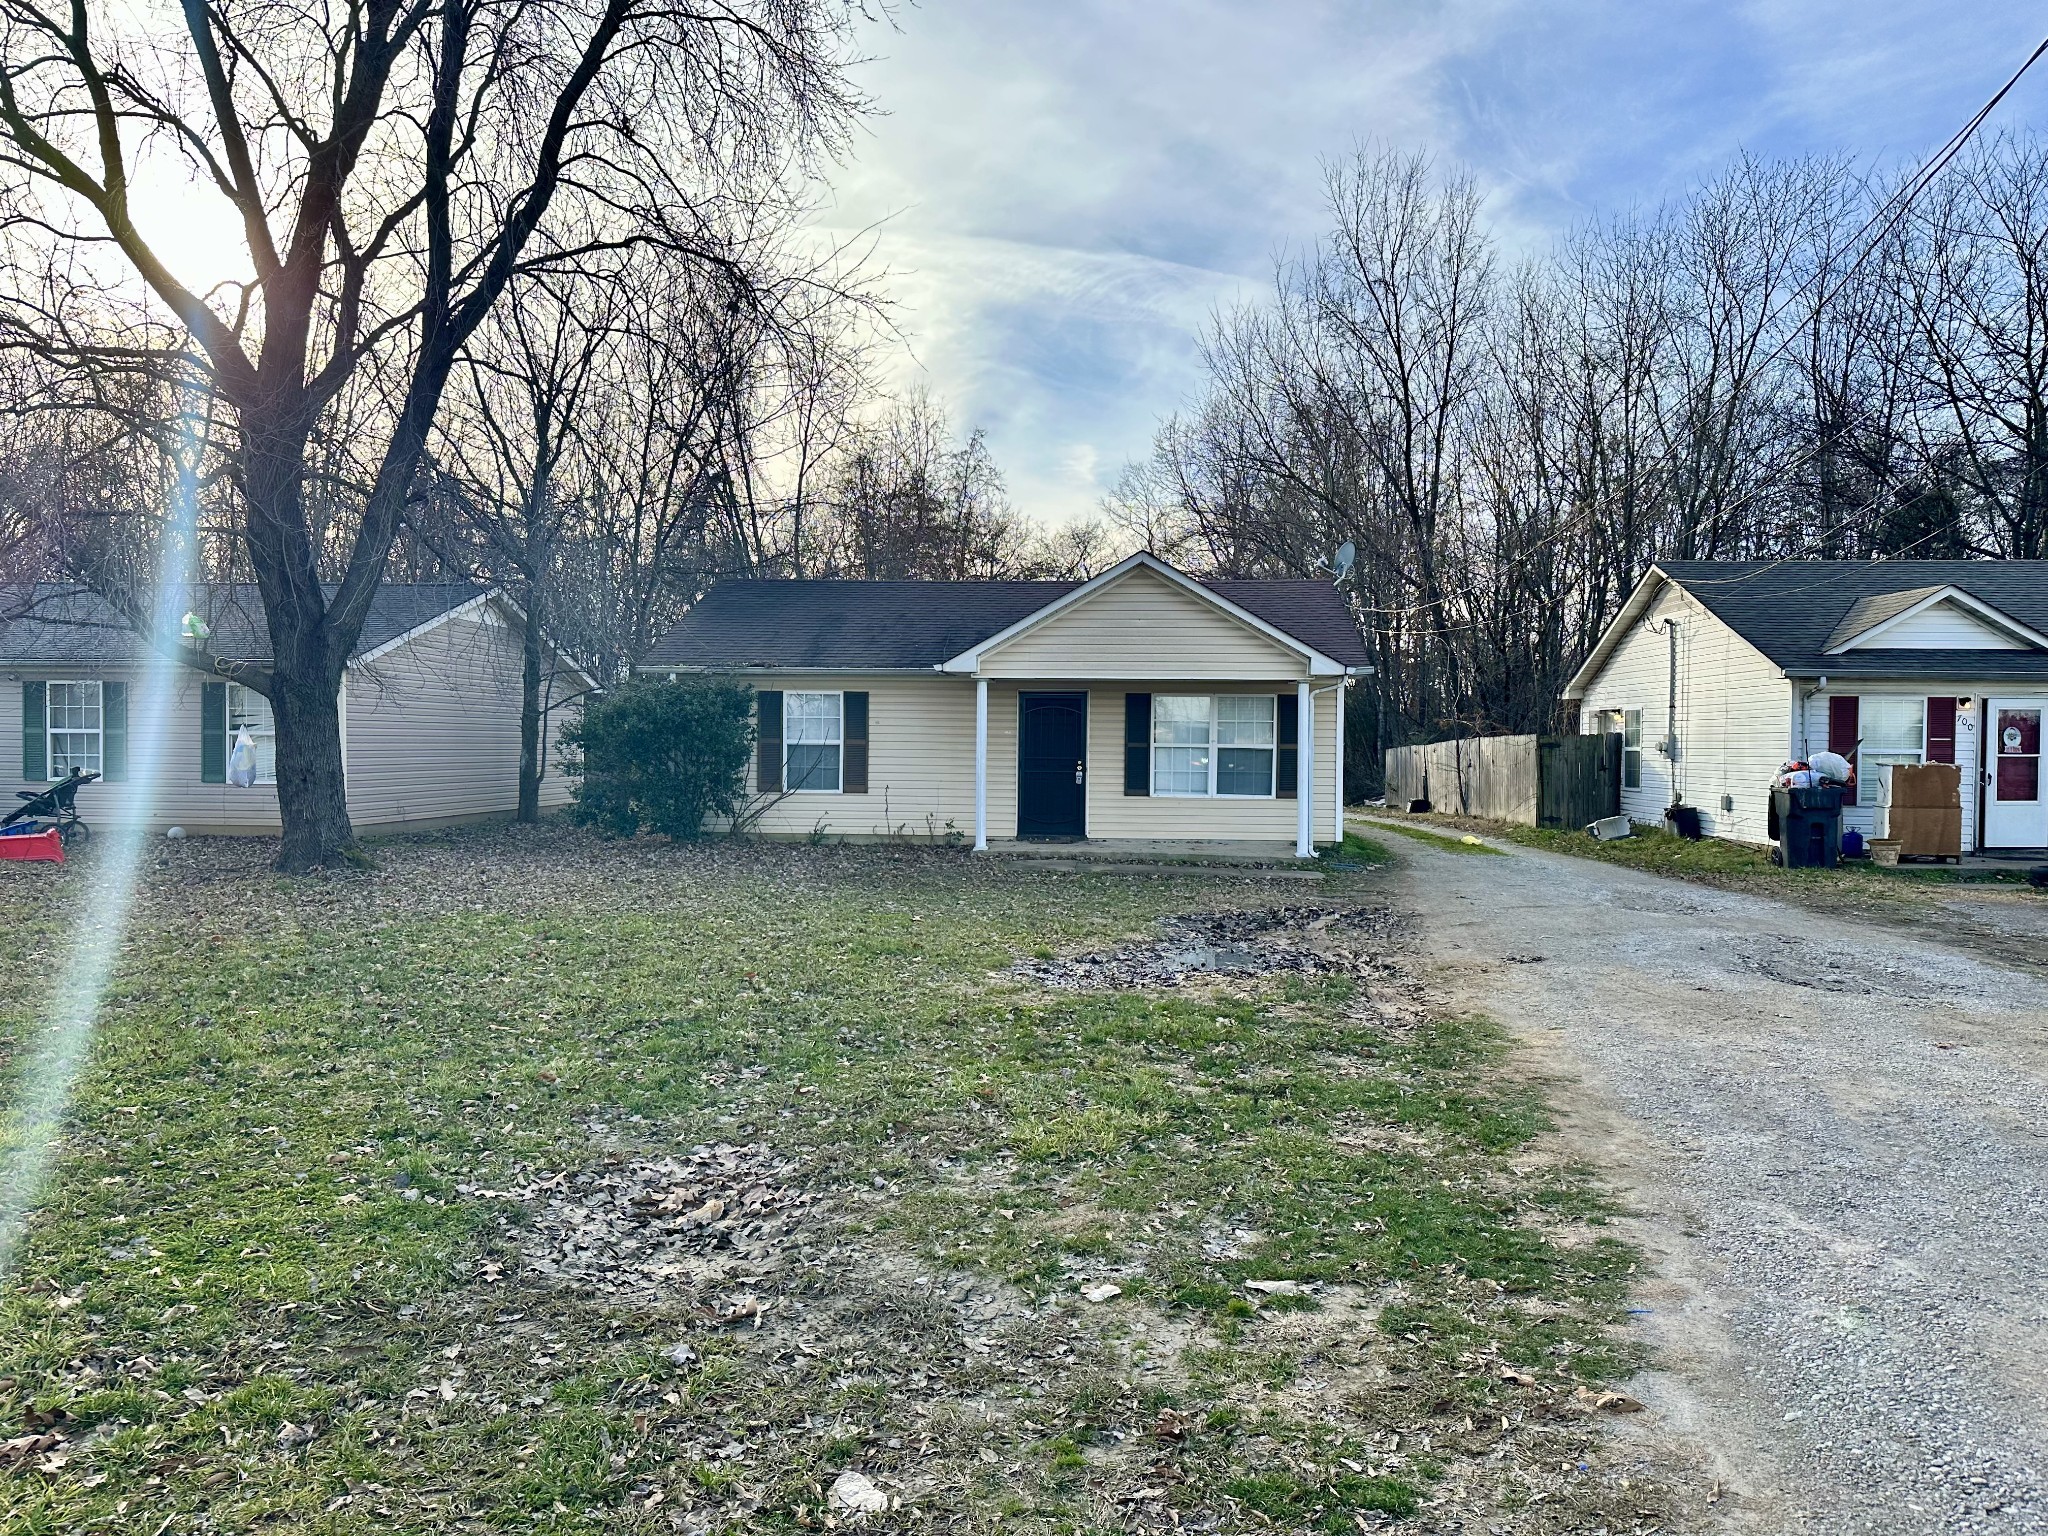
x,y
981,765
1304,774
1337,815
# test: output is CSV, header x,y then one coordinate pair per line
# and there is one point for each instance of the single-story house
x,y
1718,672
429,708
1141,706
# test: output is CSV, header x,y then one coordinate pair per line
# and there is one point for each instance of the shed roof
x,y
60,624
917,625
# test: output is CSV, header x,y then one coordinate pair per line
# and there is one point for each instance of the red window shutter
x,y
1941,730
1845,714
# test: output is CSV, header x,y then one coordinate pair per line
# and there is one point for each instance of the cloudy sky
x,y
1066,189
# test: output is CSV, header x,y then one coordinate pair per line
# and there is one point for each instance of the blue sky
x,y
1066,189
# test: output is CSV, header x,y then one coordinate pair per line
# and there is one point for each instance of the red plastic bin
x,y
35,847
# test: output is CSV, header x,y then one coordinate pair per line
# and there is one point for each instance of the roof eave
x,y
1654,580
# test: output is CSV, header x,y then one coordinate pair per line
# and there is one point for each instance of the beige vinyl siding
x,y
920,761
1112,814
921,765
1734,716
433,728
1143,626
431,732
1812,736
181,800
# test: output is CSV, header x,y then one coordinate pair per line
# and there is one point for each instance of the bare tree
x,y
392,166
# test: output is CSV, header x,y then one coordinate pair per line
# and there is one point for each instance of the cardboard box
x,y
1927,786
1926,832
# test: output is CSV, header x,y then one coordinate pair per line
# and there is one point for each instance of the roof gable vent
x,y
1931,619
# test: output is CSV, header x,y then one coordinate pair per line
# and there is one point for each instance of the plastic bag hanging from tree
x,y
242,761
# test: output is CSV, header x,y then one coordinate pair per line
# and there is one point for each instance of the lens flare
x,y
106,891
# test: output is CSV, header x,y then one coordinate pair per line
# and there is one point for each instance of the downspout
x,y
1671,708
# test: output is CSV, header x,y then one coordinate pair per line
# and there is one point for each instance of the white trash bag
x,y
242,761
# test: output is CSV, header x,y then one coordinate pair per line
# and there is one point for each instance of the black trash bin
x,y
1809,826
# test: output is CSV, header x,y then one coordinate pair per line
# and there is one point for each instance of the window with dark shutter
x,y
213,733
1137,743
35,739
1287,771
1845,726
854,735
768,742
1941,730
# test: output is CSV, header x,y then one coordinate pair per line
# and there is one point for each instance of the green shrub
x,y
662,756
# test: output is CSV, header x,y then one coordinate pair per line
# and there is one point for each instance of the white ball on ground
x,y
174,831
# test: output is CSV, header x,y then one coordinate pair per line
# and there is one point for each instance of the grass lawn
x,y
532,1183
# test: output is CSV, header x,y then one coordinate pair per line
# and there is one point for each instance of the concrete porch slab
x,y
1150,851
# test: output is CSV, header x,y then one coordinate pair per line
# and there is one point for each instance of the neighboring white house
x,y
429,705
1718,672
1143,705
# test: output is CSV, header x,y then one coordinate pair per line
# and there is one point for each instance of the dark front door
x,y
1052,764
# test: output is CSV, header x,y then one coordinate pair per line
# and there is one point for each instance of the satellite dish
x,y
1347,554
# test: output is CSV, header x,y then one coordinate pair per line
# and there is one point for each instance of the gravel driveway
x,y
1836,1140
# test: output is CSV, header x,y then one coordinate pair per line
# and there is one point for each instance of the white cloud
x,y
1066,192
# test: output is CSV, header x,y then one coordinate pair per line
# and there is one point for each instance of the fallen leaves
x,y
676,1223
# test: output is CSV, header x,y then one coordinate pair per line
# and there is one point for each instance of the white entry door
x,y
2015,807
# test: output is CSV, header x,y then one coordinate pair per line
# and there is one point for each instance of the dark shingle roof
x,y
53,624
915,625
1793,610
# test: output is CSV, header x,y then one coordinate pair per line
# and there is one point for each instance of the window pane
x,y
1180,770
1244,771
1632,769
812,767
1632,728
73,721
1180,720
249,711
74,749
810,717
1891,724
1245,720
74,706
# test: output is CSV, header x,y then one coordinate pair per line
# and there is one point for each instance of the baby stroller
x,y
56,807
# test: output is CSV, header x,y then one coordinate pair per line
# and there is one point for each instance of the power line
x,y
1889,216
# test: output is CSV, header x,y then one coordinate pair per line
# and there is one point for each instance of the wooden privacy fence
x,y
1535,781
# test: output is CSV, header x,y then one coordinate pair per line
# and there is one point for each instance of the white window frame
x,y
228,724
839,740
1874,762
1215,750
51,731
1631,749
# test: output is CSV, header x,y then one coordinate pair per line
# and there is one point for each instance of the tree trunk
x,y
529,710
312,789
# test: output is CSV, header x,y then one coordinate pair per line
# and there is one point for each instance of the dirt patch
x,y
687,1224
1206,946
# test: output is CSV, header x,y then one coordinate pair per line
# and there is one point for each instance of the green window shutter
x,y
1287,761
35,732
768,742
114,729
1137,743
213,733
853,765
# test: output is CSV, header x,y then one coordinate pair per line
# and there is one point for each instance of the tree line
x,y
1793,362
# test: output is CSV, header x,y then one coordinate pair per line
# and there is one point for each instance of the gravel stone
x,y
1836,1136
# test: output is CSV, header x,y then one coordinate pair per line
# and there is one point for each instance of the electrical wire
x,y
1890,217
